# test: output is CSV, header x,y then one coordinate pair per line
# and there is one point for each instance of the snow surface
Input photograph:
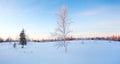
x,y
79,52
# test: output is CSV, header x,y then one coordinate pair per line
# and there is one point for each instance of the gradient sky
x,y
37,17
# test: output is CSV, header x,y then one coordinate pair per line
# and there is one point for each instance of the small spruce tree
x,y
23,40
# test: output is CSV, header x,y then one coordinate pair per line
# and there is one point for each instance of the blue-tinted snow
x,y
79,52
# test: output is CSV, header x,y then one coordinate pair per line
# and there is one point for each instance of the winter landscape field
x,y
59,31
79,52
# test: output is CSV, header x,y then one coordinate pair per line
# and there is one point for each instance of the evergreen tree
x,y
23,40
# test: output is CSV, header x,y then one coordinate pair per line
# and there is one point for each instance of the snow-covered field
x,y
79,52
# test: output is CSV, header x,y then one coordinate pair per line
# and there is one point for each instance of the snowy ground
x,y
79,52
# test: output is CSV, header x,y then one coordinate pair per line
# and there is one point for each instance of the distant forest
x,y
111,38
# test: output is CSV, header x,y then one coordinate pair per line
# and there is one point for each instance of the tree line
x,y
113,38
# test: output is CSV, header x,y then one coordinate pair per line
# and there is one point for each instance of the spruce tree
x,y
23,40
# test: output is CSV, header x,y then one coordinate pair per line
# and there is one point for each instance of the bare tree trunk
x,y
65,45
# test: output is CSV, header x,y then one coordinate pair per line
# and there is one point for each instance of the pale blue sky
x,y
37,17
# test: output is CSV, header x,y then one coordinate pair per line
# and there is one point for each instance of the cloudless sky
x,y
38,17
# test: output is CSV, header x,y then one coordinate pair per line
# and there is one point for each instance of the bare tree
x,y
62,31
